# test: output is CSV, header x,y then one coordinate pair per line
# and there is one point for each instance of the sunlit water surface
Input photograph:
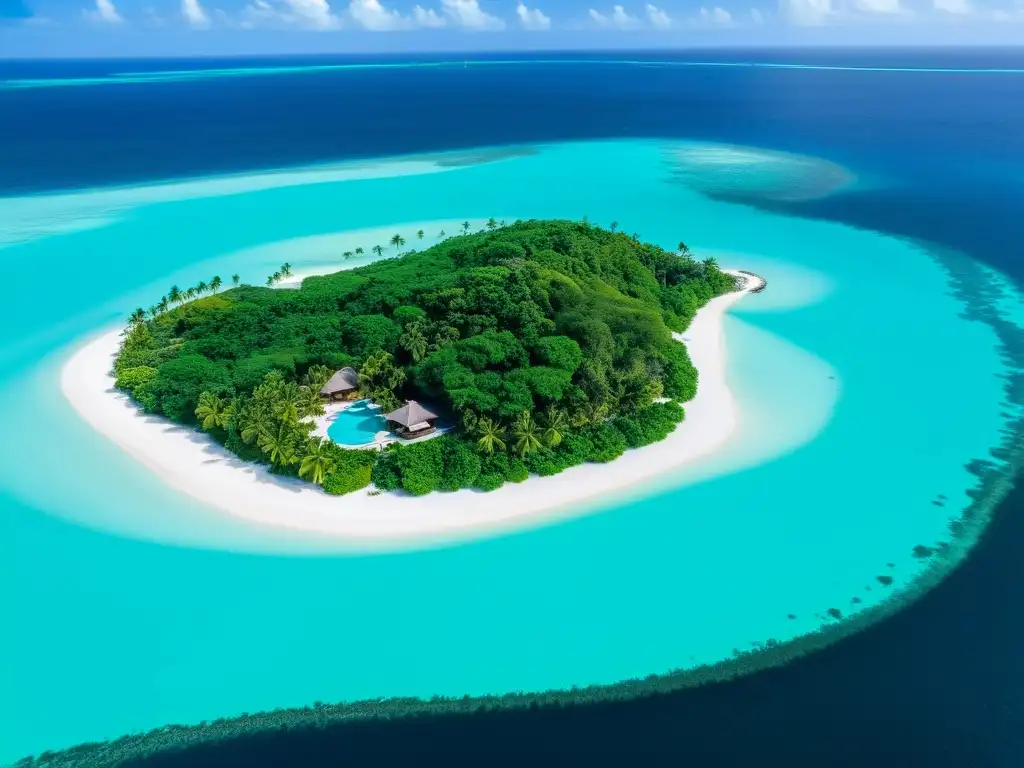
x,y
862,387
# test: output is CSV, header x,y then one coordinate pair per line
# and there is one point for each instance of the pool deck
x,y
381,439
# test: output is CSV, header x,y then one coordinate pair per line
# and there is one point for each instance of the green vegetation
x,y
547,344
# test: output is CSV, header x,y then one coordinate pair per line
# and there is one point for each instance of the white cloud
x,y
311,13
619,19
716,15
105,12
879,6
532,18
469,14
657,17
428,18
370,14
959,7
806,13
194,14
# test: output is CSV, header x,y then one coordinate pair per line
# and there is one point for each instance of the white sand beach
x,y
194,464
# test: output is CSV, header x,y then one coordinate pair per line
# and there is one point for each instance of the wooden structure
x,y
344,385
411,420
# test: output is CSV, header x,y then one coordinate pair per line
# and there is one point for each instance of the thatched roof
x,y
409,414
344,380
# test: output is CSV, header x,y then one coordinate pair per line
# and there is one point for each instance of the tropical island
x,y
541,345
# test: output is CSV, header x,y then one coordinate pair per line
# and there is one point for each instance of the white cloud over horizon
x,y
618,19
715,16
532,19
371,15
469,14
194,14
958,7
657,17
105,12
806,13
880,6
427,18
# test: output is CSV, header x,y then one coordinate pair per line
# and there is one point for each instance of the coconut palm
x,y
504,223
174,295
201,287
419,234
553,427
286,269
414,342
613,226
317,376
317,462
162,306
137,316
683,248
270,281
253,421
710,263
279,444
309,403
492,223
492,436
216,283
379,250
441,235
526,433
235,279
347,255
213,411
465,227
154,311
397,241
359,251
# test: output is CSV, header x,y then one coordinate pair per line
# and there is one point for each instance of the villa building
x,y
411,420
344,385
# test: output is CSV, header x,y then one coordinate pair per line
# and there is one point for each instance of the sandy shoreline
x,y
194,464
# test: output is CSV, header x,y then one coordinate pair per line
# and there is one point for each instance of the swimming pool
x,y
356,425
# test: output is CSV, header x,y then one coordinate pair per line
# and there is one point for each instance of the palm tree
x,y
419,234
359,251
397,241
613,226
279,444
317,376
189,294
235,279
162,306
270,281
347,255
201,287
317,462
137,316
309,402
379,250
710,263
491,435
213,411
154,311
441,235
216,283
174,295
525,432
492,223
503,223
414,342
286,269
465,227
253,422
683,248
586,221
554,426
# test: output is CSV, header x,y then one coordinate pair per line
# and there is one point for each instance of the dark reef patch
x,y
884,580
921,551
835,613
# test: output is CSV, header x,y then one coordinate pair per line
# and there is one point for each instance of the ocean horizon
x,y
877,380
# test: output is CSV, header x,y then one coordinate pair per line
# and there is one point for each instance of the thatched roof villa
x,y
411,420
343,385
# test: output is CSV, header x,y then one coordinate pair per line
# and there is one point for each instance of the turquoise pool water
x,y
356,425
138,607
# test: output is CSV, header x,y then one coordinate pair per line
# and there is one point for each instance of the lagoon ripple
x,y
843,493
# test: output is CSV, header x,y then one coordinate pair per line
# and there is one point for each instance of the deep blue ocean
x,y
940,683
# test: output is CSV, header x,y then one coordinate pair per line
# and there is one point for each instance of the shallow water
x,y
146,609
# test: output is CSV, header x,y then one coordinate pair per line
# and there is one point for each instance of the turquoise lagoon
x,y
864,387
356,425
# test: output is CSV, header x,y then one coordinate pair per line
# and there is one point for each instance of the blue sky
x,y
69,28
